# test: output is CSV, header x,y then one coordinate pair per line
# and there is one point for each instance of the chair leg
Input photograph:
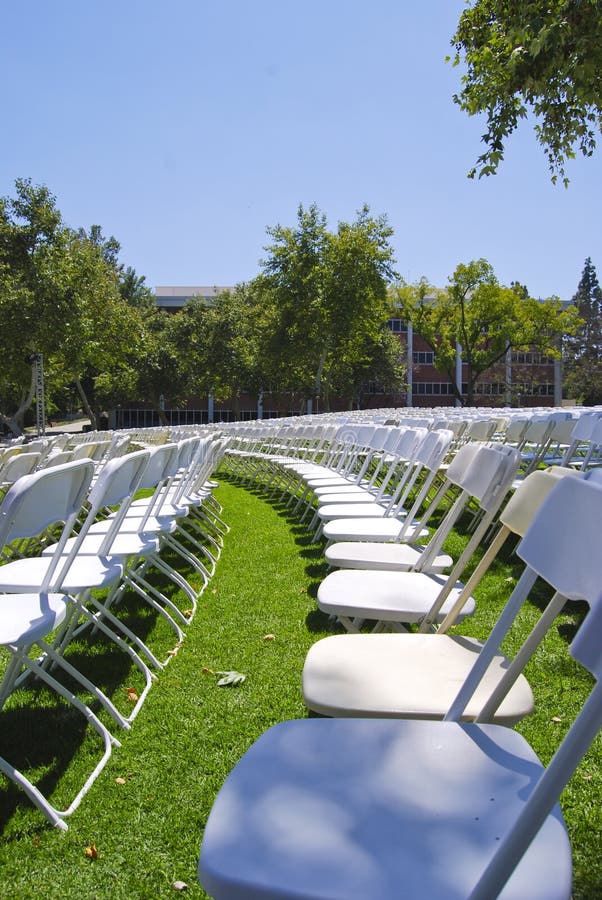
x,y
54,815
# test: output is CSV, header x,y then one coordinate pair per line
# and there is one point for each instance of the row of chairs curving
x,y
410,779
74,537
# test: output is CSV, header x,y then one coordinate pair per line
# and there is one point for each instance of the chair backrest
x,y
41,499
481,430
581,435
515,518
595,446
563,546
44,498
433,448
408,442
115,485
58,459
162,465
486,480
22,464
7,453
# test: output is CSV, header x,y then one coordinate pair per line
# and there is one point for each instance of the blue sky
x,y
186,128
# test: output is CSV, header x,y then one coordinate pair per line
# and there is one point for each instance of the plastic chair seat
x,y
84,572
404,675
154,525
370,529
387,596
372,809
371,555
339,510
29,617
125,544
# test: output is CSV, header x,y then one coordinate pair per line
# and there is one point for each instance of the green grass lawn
x,y
258,616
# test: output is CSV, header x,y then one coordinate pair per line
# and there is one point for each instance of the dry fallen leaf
x,y
207,671
120,781
188,613
132,694
269,637
36,837
180,885
586,777
91,851
556,719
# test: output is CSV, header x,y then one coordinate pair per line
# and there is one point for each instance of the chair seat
x,y
366,529
387,596
371,555
349,495
125,544
85,572
403,675
338,510
131,524
26,618
372,809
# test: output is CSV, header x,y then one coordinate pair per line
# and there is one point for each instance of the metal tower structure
x,y
38,379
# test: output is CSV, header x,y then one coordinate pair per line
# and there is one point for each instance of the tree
x,y
328,292
219,341
378,359
134,290
33,305
101,330
59,296
583,350
538,55
162,377
484,319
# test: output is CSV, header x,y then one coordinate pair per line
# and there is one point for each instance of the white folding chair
x,y
397,554
397,596
375,809
427,465
74,567
381,505
29,616
416,675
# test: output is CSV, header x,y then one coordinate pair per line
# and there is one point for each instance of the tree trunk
x,y
16,422
321,364
85,404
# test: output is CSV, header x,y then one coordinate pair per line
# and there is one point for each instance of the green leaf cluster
x,y
533,56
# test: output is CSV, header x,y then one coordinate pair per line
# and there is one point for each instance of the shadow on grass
x,y
320,622
38,739
41,735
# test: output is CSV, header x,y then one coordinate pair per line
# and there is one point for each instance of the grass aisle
x,y
189,733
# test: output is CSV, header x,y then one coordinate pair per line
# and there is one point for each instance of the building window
x,y
397,326
373,387
423,357
545,389
430,388
490,388
531,359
